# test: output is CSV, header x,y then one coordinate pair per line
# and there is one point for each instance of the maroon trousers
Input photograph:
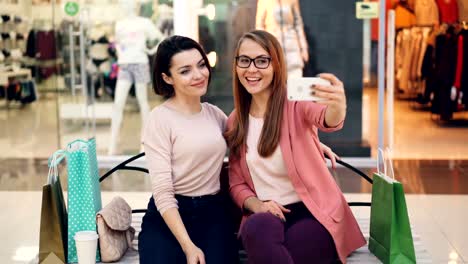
x,y
301,239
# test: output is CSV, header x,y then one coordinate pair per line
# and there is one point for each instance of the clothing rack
x,y
417,26
407,67
7,76
435,81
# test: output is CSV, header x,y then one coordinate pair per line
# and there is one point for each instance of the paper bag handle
x,y
389,162
77,145
54,160
381,154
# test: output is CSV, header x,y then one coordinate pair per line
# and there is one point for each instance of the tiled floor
x,y
437,219
416,134
437,197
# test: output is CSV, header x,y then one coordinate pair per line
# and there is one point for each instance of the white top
x,y
131,35
269,175
184,153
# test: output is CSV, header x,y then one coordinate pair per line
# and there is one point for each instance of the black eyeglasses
x,y
260,62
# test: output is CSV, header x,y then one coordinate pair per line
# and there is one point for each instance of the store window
x,y
74,62
316,36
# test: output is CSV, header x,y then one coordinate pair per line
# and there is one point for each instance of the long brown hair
x,y
269,138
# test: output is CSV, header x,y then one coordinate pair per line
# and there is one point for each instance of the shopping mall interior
x,y
59,77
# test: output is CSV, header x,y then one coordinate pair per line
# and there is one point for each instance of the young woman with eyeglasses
x,y
294,212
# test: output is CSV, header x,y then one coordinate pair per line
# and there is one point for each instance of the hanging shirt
x,y
45,45
463,10
131,35
404,17
448,11
460,62
284,21
427,12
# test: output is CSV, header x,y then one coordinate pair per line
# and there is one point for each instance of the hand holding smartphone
x,y
300,89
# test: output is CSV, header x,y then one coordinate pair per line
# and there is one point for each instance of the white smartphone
x,y
299,89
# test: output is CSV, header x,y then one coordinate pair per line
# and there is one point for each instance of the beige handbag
x,y
115,231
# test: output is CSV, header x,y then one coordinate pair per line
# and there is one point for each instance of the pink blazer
x,y
308,173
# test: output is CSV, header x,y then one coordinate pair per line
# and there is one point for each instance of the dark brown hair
x,y
163,59
271,130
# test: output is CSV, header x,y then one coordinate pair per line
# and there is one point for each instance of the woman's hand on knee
x,y
274,208
194,255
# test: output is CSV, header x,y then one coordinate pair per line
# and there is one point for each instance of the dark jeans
x,y
207,224
301,239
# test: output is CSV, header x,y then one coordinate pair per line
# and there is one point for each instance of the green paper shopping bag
x,y
53,227
84,194
390,232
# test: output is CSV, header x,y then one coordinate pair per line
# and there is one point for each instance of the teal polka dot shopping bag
x,y
84,193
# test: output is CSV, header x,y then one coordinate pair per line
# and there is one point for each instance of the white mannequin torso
x,y
131,35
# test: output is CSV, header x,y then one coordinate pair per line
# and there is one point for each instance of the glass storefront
x,y
70,52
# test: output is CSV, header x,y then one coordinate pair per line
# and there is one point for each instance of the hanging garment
x,y
427,12
445,65
28,92
428,74
464,70
463,10
404,17
31,44
425,36
448,11
460,65
241,19
46,45
458,71
285,23
416,35
405,60
2,91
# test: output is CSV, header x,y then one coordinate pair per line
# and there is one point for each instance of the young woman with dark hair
x,y
187,220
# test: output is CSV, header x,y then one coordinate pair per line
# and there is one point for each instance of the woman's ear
x,y
167,79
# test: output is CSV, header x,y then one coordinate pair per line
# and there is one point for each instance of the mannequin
x,y
131,36
99,57
282,18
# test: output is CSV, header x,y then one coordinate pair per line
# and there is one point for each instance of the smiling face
x,y
256,81
189,74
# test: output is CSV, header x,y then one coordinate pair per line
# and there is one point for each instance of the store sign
x,y
367,10
72,8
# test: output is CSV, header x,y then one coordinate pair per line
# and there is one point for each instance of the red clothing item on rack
x,y
459,69
46,48
448,10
